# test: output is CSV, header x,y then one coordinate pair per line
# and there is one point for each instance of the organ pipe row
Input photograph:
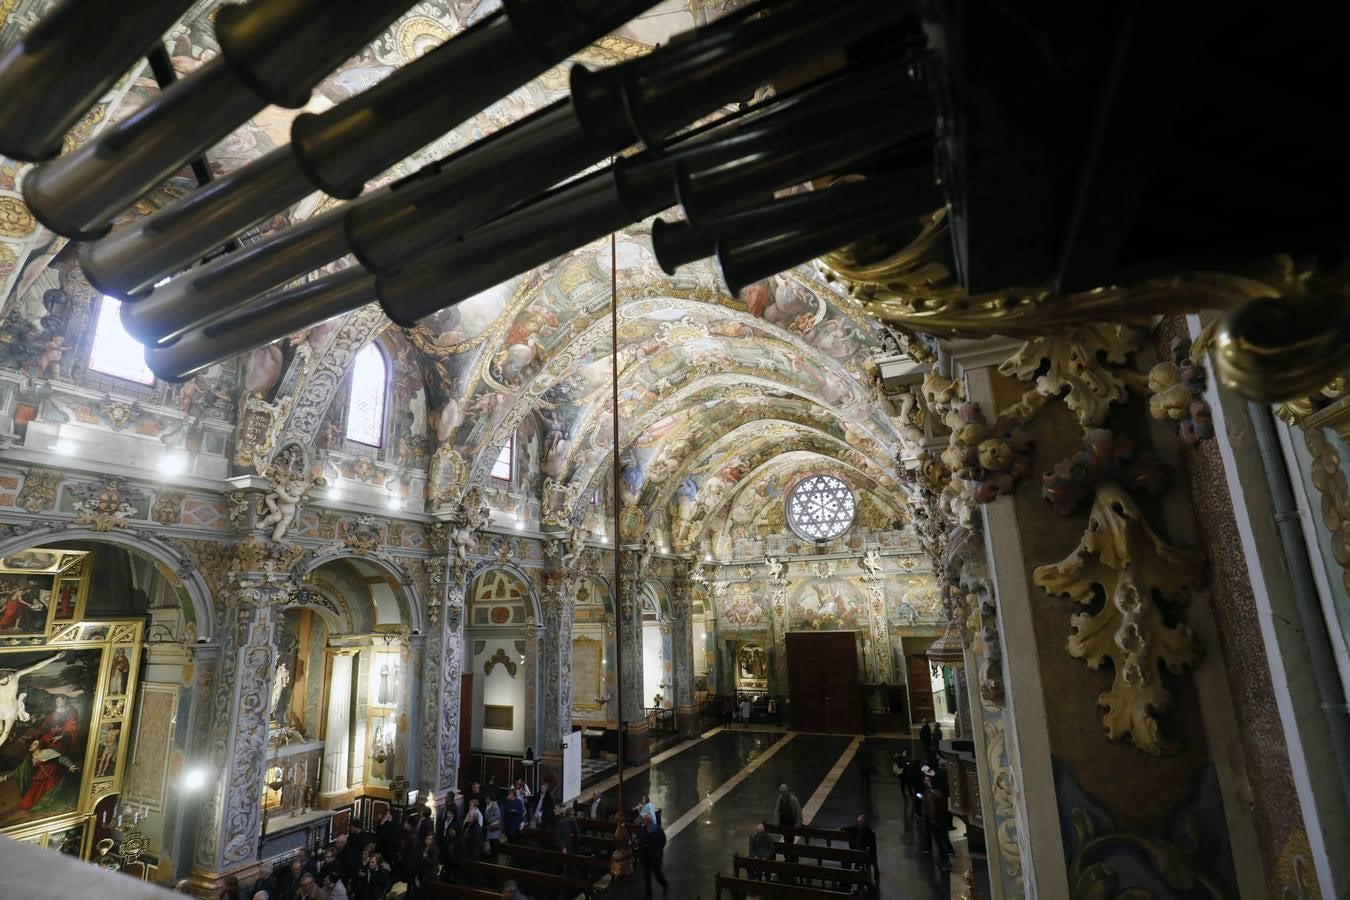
x,y
845,154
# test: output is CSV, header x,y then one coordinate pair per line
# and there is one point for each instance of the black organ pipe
x,y
721,61
338,151
257,324
272,51
910,194
419,212
73,56
745,259
580,212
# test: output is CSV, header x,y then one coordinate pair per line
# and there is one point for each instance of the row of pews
x,y
803,871
538,866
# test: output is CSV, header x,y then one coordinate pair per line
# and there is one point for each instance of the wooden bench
x,y
841,855
548,839
444,890
532,882
788,872
809,833
578,865
745,887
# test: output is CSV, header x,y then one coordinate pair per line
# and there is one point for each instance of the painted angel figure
x,y
777,569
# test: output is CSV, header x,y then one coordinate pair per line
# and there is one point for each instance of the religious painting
x,y
68,839
743,610
752,667
63,730
383,743
24,602
47,704
827,604
40,589
499,718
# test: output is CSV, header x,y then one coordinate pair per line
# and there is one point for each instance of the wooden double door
x,y
823,685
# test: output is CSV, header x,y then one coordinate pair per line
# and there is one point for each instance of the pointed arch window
x,y
114,352
365,402
503,467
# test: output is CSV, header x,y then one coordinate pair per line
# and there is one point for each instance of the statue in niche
x,y
871,561
279,685
387,692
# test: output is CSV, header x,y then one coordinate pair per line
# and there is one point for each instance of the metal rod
x,y
618,496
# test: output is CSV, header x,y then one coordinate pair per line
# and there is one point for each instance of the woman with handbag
x,y
621,860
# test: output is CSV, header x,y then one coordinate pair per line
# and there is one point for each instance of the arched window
x,y
503,467
365,403
115,352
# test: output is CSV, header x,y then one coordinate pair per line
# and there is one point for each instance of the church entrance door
x,y
823,685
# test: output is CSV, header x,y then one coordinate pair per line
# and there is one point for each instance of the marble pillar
x,y
337,728
778,680
632,714
682,648
879,644
229,823
442,666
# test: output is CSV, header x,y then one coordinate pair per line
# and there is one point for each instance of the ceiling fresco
x,y
722,401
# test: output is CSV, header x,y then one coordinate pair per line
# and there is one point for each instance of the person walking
x,y
789,816
935,814
865,770
513,816
473,832
492,827
746,709
651,853
569,833
937,738
926,739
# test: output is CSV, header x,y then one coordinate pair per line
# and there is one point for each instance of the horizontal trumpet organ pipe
x,y
71,58
79,194
261,322
135,255
678,243
339,150
591,207
747,259
447,199
222,285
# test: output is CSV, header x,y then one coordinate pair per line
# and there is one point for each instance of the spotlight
x,y
194,779
173,463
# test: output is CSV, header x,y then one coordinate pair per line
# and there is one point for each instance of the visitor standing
x,y
651,852
789,815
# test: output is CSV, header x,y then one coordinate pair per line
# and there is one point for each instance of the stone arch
x,y
194,585
410,605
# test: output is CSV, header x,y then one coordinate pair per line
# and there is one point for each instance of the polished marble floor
x,y
713,791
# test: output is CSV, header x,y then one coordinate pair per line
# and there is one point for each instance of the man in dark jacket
x,y
388,837
761,847
651,853
862,837
569,835
926,739
350,854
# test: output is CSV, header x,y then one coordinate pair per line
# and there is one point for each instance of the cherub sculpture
x,y
473,515
777,569
871,561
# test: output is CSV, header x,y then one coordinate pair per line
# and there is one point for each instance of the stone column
x,y
230,822
682,647
882,668
337,729
778,681
555,661
443,664
631,712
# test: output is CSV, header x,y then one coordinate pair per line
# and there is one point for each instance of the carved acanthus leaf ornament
x,y
1121,559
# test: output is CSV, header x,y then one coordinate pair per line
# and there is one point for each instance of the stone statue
x,y
291,484
645,552
573,548
777,568
282,679
871,561
473,515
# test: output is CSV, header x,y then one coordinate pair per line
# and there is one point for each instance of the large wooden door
x,y
920,690
823,685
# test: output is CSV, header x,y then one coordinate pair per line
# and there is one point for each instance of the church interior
x,y
772,448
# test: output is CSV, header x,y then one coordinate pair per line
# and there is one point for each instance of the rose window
x,y
820,508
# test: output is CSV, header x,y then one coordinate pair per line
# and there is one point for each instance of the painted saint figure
x,y
39,773
118,672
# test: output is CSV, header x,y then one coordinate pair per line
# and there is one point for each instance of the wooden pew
x,y
745,887
787,872
531,882
841,855
809,833
443,890
548,839
577,865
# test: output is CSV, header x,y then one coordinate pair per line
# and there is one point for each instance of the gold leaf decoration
x,y
1120,555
